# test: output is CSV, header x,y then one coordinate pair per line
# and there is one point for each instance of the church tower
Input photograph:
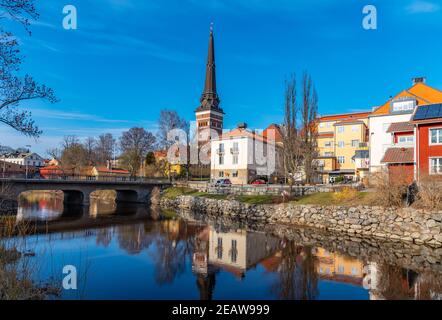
x,y
209,115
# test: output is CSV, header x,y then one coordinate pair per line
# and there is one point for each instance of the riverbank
x,y
407,225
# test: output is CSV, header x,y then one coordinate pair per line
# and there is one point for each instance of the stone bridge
x,y
79,191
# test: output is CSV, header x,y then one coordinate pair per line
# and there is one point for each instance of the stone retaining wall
x,y
406,224
271,189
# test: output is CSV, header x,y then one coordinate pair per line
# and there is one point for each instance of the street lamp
x,y
26,160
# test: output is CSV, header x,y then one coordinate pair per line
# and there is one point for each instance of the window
x,y
235,174
341,144
355,143
221,147
435,136
435,165
406,139
221,159
235,159
235,147
221,174
341,269
328,154
341,159
234,251
385,126
219,248
341,129
327,144
354,271
328,124
355,128
321,125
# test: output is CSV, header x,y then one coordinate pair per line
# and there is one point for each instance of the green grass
x,y
258,199
174,192
323,198
327,198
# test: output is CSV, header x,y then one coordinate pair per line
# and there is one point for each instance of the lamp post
x,y
26,160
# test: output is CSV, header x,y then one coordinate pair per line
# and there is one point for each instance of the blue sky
x,y
129,59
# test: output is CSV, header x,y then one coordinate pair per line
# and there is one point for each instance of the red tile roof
x,y
114,170
401,127
398,155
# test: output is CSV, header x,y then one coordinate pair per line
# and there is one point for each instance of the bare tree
x,y
290,133
299,129
135,144
105,148
73,154
168,121
89,146
15,90
309,114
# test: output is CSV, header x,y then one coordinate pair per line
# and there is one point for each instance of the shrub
x,y
430,193
389,191
346,194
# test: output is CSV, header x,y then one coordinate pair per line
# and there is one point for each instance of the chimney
x,y
242,125
419,80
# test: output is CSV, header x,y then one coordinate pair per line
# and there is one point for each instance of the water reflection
x,y
189,259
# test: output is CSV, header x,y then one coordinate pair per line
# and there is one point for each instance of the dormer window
x,y
403,106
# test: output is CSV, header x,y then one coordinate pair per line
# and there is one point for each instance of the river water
x,y
130,252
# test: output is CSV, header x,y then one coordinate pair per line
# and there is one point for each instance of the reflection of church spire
x,y
206,285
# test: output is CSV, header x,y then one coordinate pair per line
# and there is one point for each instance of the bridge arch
x,y
79,191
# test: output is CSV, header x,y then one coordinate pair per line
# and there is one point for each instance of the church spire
x,y
209,98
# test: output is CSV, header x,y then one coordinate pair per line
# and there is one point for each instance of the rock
x,y
431,223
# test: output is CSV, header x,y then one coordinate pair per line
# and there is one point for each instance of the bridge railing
x,y
81,178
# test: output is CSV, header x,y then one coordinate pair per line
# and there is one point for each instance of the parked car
x,y
258,182
223,182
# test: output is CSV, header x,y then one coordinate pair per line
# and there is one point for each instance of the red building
x,y
428,123
400,157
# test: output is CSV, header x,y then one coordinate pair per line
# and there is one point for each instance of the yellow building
x,y
340,268
168,168
340,138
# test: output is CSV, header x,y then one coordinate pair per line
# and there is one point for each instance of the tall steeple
x,y
209,99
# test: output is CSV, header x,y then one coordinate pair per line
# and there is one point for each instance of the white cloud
x,y
57,114
419,6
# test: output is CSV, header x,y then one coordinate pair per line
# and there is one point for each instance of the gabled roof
x,y
423,93
401,127
398,155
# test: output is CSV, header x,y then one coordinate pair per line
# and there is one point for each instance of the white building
x,y
24,159
242,155
396,110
